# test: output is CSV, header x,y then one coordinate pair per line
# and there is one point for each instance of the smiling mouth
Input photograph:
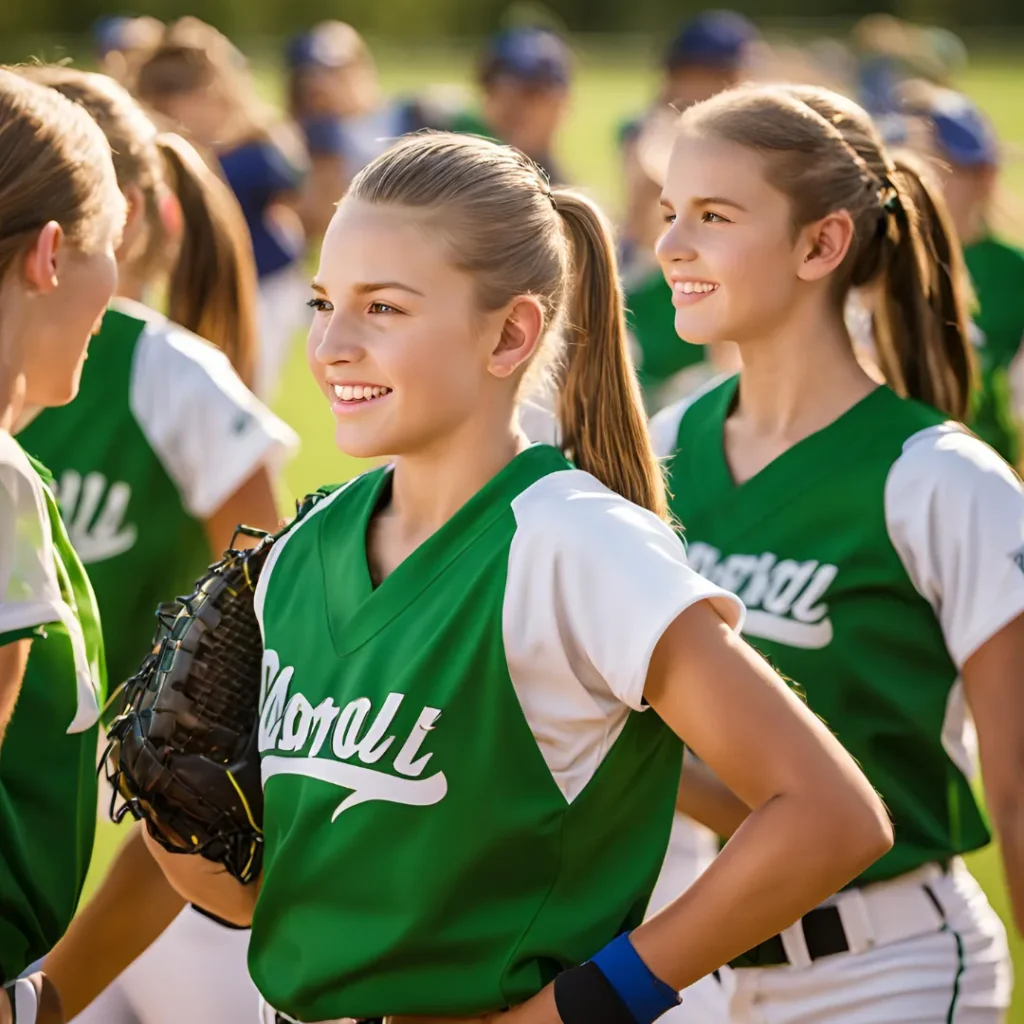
x,y
694,287
352,394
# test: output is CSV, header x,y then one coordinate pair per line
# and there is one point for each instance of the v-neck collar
x,y
356,609
791,472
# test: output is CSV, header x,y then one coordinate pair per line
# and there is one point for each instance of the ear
x,y
135,222
40,264
823,245
520,333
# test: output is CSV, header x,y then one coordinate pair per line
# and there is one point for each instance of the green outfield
x,y
609,89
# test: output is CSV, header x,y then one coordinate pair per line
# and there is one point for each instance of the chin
x,y
359,445
697,331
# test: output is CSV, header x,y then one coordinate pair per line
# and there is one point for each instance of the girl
x,y
877,545
965,144
61,217
197,79
161,455
463,796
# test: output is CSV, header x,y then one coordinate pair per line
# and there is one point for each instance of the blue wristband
x,y
646,996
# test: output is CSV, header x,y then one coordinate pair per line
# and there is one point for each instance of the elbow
x,y
867,830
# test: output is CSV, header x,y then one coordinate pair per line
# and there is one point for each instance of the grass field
x,y
608,89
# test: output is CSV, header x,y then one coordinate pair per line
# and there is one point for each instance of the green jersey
x,y
874,558
48,788
662,358
161,433
997,271
463,792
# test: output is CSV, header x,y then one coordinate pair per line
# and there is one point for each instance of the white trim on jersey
x,y
29,591
208,430
593,583
954,512
260,595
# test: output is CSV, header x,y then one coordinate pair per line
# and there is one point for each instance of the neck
x,y
798,379
432,484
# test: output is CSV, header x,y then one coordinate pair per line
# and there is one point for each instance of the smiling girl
x,y
878,545
479,657
61,217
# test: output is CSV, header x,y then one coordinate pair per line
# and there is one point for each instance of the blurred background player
x,y
525,78
968,163
196,78
162,453
120,41
335,98
711,52
61,218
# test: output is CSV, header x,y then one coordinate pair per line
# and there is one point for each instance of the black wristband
x,y
583,995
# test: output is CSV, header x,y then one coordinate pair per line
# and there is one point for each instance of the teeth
x,y
695,287
358,392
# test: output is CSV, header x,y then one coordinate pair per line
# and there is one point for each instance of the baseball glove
x,y
183,755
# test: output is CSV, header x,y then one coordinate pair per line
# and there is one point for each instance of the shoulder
x,y
666,424
20,484
571,510
168,348
172,367
945,457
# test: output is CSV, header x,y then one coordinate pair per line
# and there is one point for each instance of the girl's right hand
x,y
206,884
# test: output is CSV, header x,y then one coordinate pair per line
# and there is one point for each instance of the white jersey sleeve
x,y
593,583
29,591
955,514
208,430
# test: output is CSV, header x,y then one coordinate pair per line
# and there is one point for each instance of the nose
x,y
338,342
675,245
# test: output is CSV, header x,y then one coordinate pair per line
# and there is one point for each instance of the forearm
x,y
783,860
131,908
706,799
1008,817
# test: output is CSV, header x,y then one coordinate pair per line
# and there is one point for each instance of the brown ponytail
x,y
213,284
600,407
823,151
922,321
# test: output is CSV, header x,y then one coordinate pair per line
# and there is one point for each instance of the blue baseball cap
x,y
533,54
713,38
331,44
110,33
963,134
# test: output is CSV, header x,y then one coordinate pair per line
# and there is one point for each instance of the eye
x,y
710,217
668,218
320,305
379,308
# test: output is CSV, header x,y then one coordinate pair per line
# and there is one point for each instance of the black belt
x,y
823,932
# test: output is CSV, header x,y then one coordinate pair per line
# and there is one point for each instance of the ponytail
x,y
922,319
213,284
604,428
